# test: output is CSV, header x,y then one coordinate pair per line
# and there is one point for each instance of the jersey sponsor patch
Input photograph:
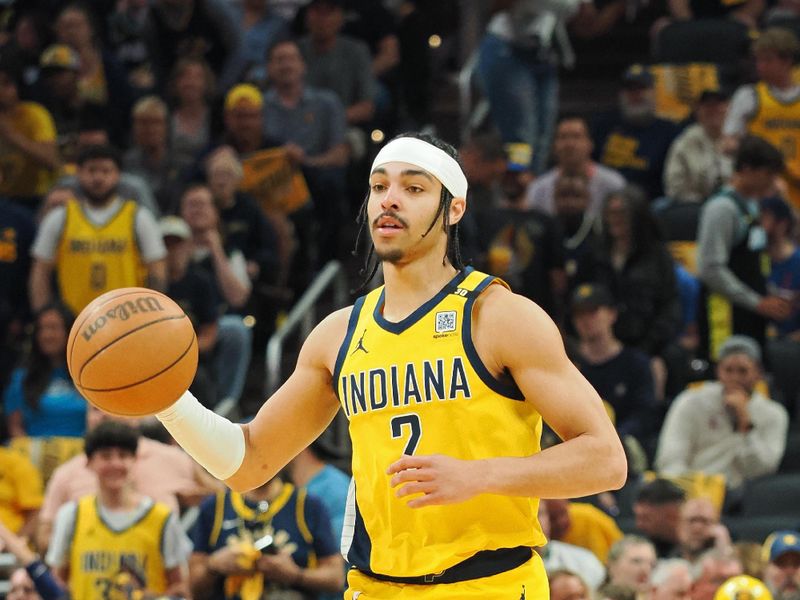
x,y
445,321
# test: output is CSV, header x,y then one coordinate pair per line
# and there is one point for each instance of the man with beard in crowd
x,y
782,573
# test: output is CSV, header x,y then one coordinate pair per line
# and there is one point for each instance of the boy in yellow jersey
x,y
446,377
98,241
98,538
770,107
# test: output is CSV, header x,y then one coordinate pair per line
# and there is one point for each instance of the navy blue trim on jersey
x,y
360,550
504,389
423,310
351,327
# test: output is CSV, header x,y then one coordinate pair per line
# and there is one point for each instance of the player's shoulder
x,y
509,316
325,339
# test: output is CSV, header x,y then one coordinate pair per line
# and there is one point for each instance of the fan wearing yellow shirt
x,y
28,152
445,376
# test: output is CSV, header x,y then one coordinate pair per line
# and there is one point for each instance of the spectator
x,y
60,95
97,243
582,524
150,156
227,268
485,163
190,124
571,201
274,537
522,246
97,538
194,292
190,28
778,221
768,108
620,374
243,120
20,492
310,124
696,165
632,139
657,509
41,400
126,29
28,151
260,27
17,231
243,223
161,472
32,580
671,580
699,529
632,261
518,67
572,149
338,62
101,79
312,470
730,244
725,427
714,568
559,556
782,573
631,562
617,591
92,131
567,585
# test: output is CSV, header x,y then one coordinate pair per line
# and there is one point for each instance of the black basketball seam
x,y
124,335
80,325
153,376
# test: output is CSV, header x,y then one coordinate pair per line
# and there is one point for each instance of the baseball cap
x,y
518,156
175,227
60,56
590,296
244,92
740,344
780,542
637,76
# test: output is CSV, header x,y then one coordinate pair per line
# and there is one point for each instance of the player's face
x,y
51,335
112,466
403,201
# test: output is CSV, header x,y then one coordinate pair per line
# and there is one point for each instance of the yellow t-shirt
x,y
20,176
592,529
20,488
98,553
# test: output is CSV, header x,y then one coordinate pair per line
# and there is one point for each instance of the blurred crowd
x,y
217,150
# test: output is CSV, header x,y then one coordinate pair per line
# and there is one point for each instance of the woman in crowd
x,y
191,91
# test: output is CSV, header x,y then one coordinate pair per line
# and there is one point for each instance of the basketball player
x,y
445,376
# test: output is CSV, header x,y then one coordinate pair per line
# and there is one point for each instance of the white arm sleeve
x,y
212,440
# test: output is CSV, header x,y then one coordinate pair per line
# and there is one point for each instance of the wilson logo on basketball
x,y
123,312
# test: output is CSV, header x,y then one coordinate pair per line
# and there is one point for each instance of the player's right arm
x,y
247,456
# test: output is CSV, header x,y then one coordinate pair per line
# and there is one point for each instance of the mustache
x,y
392,215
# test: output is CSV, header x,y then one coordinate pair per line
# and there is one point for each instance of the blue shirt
x,y
231,516
316,124
61,411
330,485
784,281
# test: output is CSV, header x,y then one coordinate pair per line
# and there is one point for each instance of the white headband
x,y
428,157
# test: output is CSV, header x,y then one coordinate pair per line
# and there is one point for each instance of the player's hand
x,y
440,479
279,568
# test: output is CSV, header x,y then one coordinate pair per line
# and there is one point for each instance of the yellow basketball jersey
x,y
20,175
779,124
98,553
419,387
94,259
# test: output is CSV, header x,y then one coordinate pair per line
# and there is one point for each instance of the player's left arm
x,y
529,346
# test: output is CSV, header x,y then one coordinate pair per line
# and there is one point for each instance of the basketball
x,y
132,352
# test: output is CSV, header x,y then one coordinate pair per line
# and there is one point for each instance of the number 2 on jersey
x,y
413,423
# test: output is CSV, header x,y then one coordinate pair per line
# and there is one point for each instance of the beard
x,y
392,256
99,199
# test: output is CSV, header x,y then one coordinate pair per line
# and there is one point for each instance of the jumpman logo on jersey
x,y
522,595
360,344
